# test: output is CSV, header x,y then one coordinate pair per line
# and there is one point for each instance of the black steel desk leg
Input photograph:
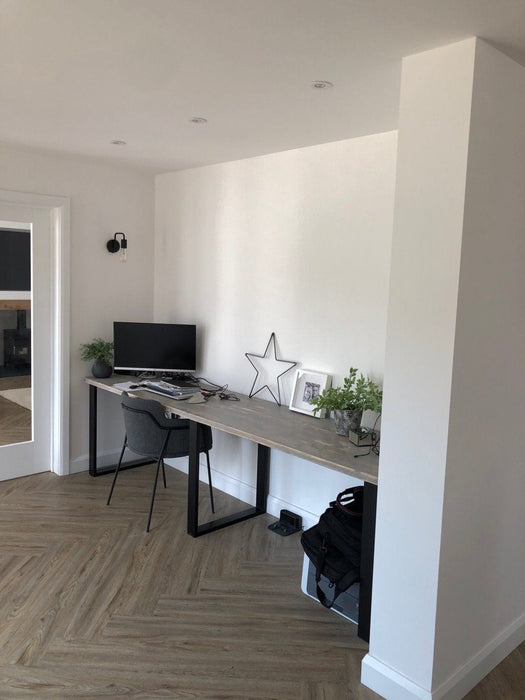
x,y
261,496
263,477
193,480
92,430
367,559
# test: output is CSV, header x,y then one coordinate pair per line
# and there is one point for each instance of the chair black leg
x,y
209,481
160,462
117,471
164,474
153,494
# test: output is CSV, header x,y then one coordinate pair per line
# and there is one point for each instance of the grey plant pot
x,y
101,370
346,420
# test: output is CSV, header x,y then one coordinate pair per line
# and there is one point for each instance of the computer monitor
x,y
154,347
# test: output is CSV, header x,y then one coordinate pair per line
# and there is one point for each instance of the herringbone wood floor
x,y
91,606
15,421
94,606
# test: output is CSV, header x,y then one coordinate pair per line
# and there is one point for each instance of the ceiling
x,y
76,75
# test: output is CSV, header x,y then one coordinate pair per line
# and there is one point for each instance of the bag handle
x,y
351,500
320,566
323,599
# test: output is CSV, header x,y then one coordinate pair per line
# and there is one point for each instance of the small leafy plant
x,y
357,393
98,350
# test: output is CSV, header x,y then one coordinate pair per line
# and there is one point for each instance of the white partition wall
x,y
297,243
448,597
481,597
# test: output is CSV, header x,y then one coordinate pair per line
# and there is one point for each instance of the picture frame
x,y
308,384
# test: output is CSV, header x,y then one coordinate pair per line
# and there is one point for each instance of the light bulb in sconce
x,y
114,246
124,250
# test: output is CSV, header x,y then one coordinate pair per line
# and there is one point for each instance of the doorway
x,y
34,378
16,401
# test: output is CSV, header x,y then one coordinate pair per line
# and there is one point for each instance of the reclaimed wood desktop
x,y
270,427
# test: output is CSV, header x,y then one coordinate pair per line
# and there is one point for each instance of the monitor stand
x,y
182,379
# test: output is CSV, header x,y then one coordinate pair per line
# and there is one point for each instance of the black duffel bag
x,y
334,544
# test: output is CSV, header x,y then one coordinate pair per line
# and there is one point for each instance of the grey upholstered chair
x,y
150,434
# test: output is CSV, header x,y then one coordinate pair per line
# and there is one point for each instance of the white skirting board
x,y
104,459
222,482
246,493
109,457
392,685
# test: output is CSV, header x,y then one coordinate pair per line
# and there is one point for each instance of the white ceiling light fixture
x,y
118,142
322,84
198,120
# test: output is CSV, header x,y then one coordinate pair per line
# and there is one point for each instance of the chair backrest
x,y
147,428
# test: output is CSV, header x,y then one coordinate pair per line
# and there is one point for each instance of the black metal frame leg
x,y
263,479
92,430
94,470
367,559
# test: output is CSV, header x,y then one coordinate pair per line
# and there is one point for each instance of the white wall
x,y
448,596
428,221
104,199
481,597
297,243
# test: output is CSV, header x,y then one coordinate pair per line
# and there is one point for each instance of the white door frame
x,y
59,212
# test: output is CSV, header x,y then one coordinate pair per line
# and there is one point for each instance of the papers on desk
x,y
185,395
124,386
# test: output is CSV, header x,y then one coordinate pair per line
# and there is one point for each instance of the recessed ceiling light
x,y
118,142
198,120
322,84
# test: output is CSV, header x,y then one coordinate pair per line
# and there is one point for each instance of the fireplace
x,y
17,344
17,347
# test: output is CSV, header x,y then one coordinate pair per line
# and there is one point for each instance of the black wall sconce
x,y
114,246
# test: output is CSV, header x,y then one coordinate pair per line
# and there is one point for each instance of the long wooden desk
x,y
269,426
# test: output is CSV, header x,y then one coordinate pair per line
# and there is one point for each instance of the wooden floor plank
x,y
15,420
93,606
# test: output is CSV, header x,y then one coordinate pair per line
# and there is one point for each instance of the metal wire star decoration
x,y
258,363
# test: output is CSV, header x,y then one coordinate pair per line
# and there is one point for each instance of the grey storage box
x,y
347,604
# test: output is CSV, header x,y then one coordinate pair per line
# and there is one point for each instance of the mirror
x,y
16,423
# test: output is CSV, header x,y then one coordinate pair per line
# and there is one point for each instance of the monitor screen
x,y
154,347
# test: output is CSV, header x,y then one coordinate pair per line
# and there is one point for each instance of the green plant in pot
x,y
100,352
347,402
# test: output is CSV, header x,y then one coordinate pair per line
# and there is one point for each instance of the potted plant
x,y
347,402
101,353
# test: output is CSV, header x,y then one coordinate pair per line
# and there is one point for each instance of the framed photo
x,y
307,385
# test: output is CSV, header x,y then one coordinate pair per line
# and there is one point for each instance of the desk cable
x,y
217,390
374,447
